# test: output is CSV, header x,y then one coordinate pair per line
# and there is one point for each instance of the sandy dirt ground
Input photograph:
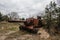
x,y
10,31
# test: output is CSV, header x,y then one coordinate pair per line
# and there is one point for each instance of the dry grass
x,y
8,26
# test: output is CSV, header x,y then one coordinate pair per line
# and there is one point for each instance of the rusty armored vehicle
x,y
32,25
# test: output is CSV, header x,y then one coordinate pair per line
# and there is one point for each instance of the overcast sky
x,y
25,8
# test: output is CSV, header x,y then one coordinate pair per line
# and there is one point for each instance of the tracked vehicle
x,y
32,25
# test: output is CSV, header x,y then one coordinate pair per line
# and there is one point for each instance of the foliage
x,y
5,18
13,15
0,16
58,19
23,19
49,12
52,16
